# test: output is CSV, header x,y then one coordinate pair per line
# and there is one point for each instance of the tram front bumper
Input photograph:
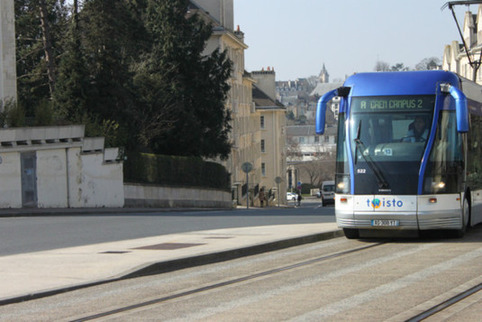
x,y
417,212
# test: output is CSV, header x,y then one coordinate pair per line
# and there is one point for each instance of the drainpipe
x,y
67,175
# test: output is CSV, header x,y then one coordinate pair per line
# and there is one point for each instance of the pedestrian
x,y
299,198
261,197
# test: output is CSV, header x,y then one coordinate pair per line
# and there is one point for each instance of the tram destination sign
x,y
393,104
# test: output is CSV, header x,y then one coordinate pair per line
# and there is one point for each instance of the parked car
x,y
327,192
291,196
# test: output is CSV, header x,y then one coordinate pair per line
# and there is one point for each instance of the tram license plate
x,y
385,222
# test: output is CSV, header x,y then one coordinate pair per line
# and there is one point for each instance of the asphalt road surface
x,y
30,234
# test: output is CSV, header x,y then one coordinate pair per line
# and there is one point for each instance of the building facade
x,y
455,57
272,122
246,134
310,157
307,145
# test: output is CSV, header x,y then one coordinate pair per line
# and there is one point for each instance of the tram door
x,y
29,179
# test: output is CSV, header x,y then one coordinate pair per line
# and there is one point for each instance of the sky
x,y
296,37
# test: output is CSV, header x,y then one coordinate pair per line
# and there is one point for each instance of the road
x,y
31,234
334,280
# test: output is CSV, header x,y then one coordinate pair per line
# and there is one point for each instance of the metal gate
x,y
29,179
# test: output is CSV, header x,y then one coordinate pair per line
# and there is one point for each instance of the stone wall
x,y
139,195
65,169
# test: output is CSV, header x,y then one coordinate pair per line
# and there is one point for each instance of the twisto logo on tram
x,y
390,203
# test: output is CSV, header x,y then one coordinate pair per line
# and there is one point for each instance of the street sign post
x,y
278,181
247,167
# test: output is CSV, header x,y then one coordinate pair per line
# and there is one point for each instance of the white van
x,y
327,192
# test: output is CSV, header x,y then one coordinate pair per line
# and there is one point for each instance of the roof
x,y
399,83
307,130
263,101
197,8
322,88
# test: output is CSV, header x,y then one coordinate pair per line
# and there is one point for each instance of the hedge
x,y
175,171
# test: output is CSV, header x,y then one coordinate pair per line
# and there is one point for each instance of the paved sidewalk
x,y
33,275
35,212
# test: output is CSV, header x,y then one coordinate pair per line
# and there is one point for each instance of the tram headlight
x,y
343,184
438,186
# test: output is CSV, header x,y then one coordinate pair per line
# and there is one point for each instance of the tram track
x,y
230,282
445,304
328,280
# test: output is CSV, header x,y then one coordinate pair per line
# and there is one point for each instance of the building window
x,y
302,139
262,146
327,138
263,169
317,139
261,121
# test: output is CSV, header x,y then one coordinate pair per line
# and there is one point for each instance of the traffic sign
x,y
246,167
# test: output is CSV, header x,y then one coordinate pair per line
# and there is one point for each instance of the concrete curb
x,y
187,262
36,212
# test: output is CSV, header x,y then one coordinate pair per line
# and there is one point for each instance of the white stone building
x,y
57,167
306,149
246,134
455,57
272,121
307,145
50,167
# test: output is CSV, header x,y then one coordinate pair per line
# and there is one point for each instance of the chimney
x,y
266,81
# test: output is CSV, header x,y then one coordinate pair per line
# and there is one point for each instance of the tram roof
x,y
399,83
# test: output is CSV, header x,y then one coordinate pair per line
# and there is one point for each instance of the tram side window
x,y
474,159
445,169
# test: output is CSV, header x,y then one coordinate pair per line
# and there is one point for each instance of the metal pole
x,y
278,195
247,190
475,65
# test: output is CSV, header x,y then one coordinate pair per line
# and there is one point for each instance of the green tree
x,y
39,26
133,70
111,39
95,81
72,86
182,90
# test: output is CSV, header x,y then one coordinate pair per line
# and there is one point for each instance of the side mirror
x,y
321,110
343,92
461,110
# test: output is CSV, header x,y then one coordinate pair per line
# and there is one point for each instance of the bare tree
x,y
399,67
312,171
47,44
428,64
293,150
319,170
382,66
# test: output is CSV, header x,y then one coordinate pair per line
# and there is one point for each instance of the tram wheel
x,y
465,219
351,233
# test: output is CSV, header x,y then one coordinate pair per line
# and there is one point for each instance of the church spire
x,y
324,76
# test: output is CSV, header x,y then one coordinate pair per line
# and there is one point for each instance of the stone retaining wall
x,y
139,195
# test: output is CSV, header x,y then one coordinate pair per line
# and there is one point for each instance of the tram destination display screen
x,y
384,104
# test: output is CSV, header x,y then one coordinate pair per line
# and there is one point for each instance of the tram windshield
x,y
388,137
391,128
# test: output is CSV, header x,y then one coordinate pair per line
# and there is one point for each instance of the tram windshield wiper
x,y
359,145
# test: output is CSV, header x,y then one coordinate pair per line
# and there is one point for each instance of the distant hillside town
x,y
310,157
